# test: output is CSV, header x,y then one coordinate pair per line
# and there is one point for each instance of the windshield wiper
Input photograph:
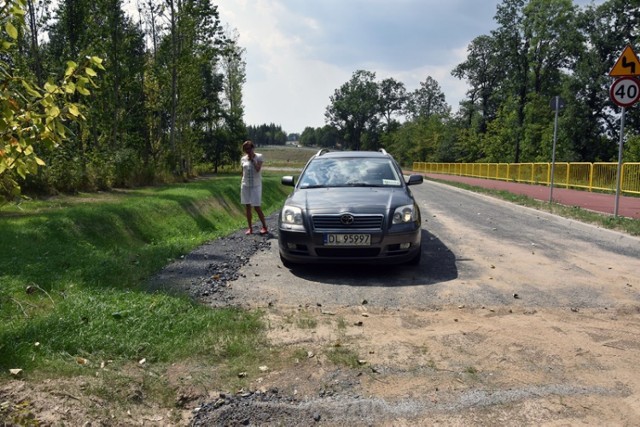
x,y
359,184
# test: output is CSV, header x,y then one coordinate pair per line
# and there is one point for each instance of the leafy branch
x,y
33,116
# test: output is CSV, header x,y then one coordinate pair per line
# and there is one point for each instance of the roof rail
x,y
383,151
322,151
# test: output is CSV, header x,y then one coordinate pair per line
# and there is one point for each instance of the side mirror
x,y
415,179
288,180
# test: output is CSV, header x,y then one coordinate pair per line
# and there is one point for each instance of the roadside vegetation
x,y
74,272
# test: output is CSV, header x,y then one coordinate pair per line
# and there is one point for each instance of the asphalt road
x,y
477,251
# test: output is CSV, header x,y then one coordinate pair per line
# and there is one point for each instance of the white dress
x,y
251,184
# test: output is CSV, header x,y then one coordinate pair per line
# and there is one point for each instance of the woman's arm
x,y
257,162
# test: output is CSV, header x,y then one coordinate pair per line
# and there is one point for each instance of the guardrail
x,y
587,176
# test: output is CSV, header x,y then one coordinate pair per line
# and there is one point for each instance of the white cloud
x,y
300,51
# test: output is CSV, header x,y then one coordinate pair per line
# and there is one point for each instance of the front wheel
x,y
416,259
286,263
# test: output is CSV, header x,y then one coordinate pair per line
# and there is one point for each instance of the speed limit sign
x,y
625,91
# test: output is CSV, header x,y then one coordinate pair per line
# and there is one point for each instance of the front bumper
x,y
301,247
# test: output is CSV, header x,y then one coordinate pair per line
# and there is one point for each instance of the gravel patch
x,y
205,273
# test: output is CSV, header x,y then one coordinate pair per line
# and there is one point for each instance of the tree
x,y
427,100
482,72
223,121
590,121
308,137
33,117
354,110
393,97
513,48
37,19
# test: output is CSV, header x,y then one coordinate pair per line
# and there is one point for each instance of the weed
x,y
343,356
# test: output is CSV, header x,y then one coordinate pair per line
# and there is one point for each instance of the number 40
x,y
630,91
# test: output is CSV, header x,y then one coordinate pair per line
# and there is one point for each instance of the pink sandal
x,y
263,230
249,231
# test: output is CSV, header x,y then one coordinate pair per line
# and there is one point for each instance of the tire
x,y
286,263
416,259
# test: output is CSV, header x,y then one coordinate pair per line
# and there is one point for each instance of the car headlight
x,y
404,214
291,215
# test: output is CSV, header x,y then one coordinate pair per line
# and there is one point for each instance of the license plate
x,y
347,239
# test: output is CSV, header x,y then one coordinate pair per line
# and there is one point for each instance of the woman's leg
x,y
248,214
261,216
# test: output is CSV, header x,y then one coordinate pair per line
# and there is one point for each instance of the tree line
x,y
540,49
165,104
107,99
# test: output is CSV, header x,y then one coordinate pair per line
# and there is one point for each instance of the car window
x,y
345,172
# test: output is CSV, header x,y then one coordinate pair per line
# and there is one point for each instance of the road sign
x,y
627,64
625,91
556,103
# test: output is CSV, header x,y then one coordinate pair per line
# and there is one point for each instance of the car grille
x,y
348,252
332,222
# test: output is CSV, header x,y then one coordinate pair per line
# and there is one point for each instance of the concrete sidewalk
x,y
599,202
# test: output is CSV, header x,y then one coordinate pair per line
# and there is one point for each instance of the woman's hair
x,y
247,144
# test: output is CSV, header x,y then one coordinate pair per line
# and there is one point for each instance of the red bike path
x,y
599,202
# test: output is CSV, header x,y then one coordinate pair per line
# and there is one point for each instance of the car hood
x,y
353,200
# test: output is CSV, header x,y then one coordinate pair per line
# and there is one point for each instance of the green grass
x,y
343,356
287,157
74,270
627,225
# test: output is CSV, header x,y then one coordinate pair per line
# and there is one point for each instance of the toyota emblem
x,y
347,219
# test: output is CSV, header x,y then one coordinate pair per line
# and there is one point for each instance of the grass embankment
x,y
73,275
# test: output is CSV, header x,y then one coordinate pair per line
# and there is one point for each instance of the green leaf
x,y
11,30
30,89
60,129
90,72
70,87
73,110
71,67
22,171
17,10
83,91
53,111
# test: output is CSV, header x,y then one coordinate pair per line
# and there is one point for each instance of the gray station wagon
x,y
350,207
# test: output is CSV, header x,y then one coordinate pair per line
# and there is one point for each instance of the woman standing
x,y
251,185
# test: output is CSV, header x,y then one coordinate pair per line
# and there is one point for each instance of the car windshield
x,y
349,172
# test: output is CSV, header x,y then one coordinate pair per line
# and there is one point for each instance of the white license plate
x,y
347,239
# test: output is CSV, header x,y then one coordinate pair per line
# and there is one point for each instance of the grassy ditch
x,y
73,272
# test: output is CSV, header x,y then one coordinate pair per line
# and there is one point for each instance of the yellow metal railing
x,y
588,176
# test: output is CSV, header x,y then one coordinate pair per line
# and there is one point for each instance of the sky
x,y
298,52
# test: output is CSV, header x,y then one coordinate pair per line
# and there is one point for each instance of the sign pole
x,y
553,154
625,92
618,178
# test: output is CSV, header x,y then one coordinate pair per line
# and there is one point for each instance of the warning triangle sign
x,y
627,64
